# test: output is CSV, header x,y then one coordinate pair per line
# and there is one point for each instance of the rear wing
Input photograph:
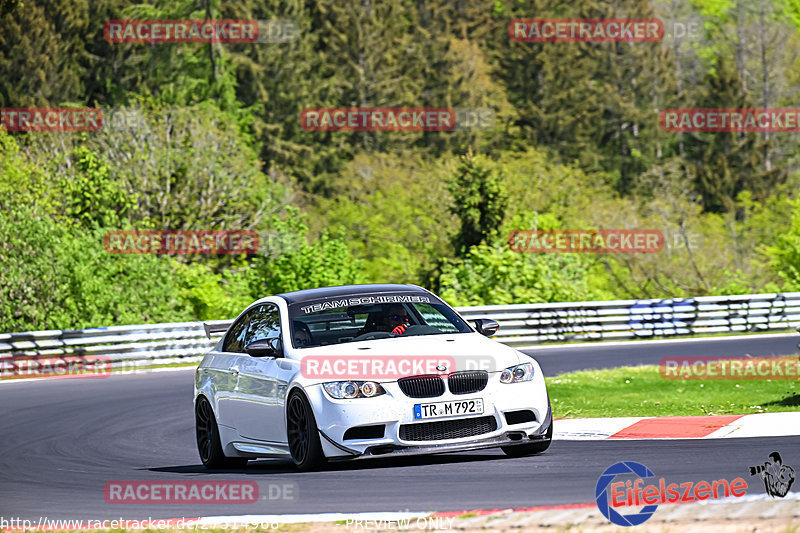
x,y
216,326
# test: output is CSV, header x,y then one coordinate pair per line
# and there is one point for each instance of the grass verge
x,y
641,391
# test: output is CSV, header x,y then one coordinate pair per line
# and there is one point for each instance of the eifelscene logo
x,y
612,494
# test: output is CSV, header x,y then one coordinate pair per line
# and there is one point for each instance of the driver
x,y
393,318
302,334
396,319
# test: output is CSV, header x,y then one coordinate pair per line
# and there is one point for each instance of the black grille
x,y
467,382
448,429
422,386
364,432
520,417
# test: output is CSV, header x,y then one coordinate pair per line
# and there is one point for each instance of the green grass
x,y
641,391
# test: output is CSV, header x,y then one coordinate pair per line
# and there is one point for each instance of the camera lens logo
x,y
602,497
778,477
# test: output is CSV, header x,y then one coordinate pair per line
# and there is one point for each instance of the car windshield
x,y
332,322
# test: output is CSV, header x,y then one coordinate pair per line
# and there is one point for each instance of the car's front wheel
x,y
208,443
522,450
301,430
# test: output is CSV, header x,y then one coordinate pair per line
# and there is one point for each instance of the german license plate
x,y
454,408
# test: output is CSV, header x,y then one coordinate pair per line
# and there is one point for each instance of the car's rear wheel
x,y
522,450
208,443
301,430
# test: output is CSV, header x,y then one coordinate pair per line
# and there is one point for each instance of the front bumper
x,y
394,409
510,438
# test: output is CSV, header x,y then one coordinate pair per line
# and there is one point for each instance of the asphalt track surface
x,y
62,440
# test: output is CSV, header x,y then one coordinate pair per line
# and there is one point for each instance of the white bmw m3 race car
x,y
362,371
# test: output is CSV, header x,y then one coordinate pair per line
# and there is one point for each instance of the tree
x,y
784,254
90,196
292,263
479,201
187,167
55,277
392,209
495,275
727,163
38,66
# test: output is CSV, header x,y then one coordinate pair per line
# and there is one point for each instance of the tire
x,y
208,443
302,434
521,450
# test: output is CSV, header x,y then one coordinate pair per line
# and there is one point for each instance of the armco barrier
x,y
520,325
525,325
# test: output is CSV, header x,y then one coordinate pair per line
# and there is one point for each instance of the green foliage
x,y
392,210
213,296
187,167
207,136
479,201
90,196
39,64
292,263
56,277
785,253
21,181
494,275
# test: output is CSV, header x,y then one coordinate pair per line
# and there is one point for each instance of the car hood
x,y
463,351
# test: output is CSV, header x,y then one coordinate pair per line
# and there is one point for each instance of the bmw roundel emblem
x,y
441,368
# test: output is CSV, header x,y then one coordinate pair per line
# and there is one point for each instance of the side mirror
x,y
486,326
265,348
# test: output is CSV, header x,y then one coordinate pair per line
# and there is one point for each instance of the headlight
x,y
345,390
516,374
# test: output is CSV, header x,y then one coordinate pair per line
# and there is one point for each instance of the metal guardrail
x,y
526,325
122,346
520,325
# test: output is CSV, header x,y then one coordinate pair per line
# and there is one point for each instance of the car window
x,y
434,318
234,340
265,323
359,317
